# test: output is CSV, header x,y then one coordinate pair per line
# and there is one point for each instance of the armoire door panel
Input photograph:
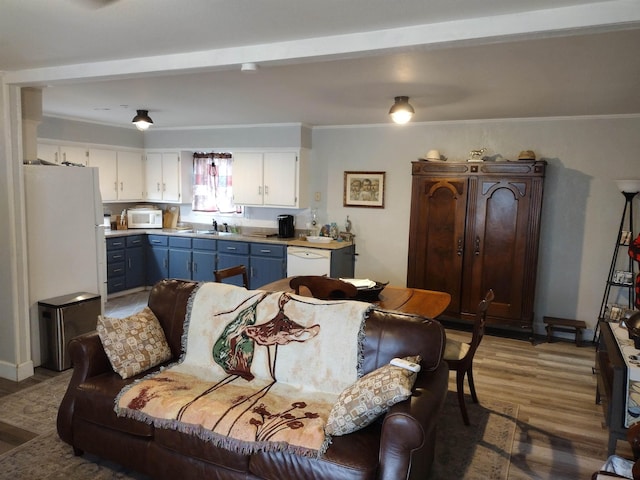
x,y
438,242
501,228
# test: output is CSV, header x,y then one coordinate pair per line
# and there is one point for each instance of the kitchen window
x,y
212,183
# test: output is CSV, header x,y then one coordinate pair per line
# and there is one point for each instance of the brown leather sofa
x,y
398,446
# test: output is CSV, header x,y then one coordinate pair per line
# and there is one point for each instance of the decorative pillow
x,y
133,344
369,397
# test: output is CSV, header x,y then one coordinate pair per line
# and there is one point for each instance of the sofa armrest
x,y
408,429
89,360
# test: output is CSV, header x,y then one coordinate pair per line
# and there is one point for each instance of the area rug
x,y
35,408
479,451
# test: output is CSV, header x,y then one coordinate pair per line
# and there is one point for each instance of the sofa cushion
x,y
352,457
369,397
135,343
194,447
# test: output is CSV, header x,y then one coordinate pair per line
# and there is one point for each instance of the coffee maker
x,y
286,228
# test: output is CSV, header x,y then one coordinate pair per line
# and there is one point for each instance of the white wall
x,y
581,207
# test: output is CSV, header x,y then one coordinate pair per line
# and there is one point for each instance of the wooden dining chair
x,y
459,355
324,288
232,272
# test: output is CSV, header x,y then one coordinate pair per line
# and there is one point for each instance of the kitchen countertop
x,y
294,242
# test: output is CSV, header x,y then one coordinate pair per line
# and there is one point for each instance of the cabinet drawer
x,y
115,269
115,284
228,246
118,242
134,241
115,256
180,242
267,250
158,240
204,244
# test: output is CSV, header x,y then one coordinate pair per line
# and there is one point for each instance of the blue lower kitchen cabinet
x,y
230,254
267,264
115,264
126,263
343,262
203,259
157,258
180,257
135,262
192,258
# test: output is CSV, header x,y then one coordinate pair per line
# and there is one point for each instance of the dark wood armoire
x,y
475,226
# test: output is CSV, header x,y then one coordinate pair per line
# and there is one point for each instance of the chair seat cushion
x,y
455,350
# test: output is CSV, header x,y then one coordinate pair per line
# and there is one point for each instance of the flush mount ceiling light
x,y
401,111
142,120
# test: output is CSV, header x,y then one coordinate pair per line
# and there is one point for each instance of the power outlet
x,y
317,196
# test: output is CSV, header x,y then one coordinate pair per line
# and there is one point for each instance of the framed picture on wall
x,y
364,189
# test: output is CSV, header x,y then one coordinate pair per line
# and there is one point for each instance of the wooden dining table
x,y
428,303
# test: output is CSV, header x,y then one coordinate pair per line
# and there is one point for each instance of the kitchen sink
x,y
214,232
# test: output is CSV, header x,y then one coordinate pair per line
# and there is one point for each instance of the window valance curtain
x,y
212,185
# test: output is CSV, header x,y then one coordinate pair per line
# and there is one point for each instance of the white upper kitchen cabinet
x,y
56,153
168,177
107,163
130,176
120,172
270,179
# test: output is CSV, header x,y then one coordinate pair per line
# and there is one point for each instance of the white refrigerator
x,y
65,237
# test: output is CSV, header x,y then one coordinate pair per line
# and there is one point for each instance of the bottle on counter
x,y
333,231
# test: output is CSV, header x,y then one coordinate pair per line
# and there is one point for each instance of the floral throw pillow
x,y
369,397
135,343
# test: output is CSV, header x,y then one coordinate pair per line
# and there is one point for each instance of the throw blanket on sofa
x,y
260,371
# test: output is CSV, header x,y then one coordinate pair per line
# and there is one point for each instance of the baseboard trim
x,y
17,373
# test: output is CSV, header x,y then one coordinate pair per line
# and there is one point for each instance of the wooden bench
x,y
565,325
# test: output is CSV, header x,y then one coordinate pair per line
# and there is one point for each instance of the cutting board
x,y
170,217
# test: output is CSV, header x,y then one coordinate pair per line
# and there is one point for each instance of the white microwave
x,y
144,218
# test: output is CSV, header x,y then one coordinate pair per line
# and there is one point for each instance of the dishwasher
x,y
308,261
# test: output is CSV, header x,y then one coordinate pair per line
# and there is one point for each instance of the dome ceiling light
x,y
142,120
401,111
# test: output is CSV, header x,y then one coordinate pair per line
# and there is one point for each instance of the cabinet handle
x,y
259,190
477,250
188,266
165,262
264,250
55,156
117,257
121,186
129,263
195,267
231,248
115,186
459,251
164,187
266,189
64,156
158,186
